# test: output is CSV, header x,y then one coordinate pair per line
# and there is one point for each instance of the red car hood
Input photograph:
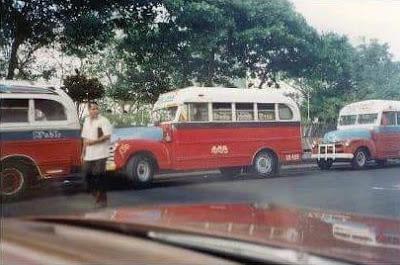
x,y
336,235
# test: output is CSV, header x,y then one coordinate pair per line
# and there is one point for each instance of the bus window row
x,y
389,118
226,112
17,110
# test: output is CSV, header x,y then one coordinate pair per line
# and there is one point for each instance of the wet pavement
x,y
374,191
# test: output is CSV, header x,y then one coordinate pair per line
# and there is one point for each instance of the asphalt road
x,y
373,191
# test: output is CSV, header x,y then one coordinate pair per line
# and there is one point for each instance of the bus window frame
x,y
13,125
275,113
50,122
180,107
218,121
388,125
235,110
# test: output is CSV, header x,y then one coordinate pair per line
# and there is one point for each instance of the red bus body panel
x,y
214,145
53,157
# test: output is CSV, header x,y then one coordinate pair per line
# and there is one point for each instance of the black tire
x,y
360,160
266,164
13,181
324,164
140,170
381,162
230,171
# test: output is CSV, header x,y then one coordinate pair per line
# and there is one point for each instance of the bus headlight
x,y
347,143
314,144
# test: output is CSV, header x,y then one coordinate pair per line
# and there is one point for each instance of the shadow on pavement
x,y
115,183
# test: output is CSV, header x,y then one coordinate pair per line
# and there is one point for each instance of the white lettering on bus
x,y
46,135
219,149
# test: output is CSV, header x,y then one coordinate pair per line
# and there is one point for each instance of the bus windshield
x,y
165,114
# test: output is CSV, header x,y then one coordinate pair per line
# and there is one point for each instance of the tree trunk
x,y
211,69
13,59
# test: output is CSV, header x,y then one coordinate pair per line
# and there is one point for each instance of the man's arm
x,y
83,152
97,141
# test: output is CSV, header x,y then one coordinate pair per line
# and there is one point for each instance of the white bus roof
x,y
370,106
27,87
221,94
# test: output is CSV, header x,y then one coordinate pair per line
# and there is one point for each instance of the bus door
x,y
388,135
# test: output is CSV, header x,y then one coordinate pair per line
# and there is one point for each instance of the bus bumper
x,y
336,156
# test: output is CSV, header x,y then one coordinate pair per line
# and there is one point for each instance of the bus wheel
x,y
230,171
381,162
13,182
324,164
360,159
266,164
140,170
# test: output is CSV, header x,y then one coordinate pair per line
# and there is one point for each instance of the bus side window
x,y
244,111
266,111
14,110
222,111
285,113
388,118
49,110
398,118
198,111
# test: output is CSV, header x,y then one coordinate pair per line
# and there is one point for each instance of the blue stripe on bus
x,y
39,135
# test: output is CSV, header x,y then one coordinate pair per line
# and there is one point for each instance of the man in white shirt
x,y
96,134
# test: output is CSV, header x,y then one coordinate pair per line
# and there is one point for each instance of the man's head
x,y
93,110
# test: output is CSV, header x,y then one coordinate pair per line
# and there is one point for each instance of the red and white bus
x,y
39,136
367,130
215,128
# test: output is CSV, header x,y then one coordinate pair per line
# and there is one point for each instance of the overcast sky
x,y
379,19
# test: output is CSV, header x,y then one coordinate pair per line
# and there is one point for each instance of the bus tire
x,y
140,170
13,181
324,164
230,171
361,157
266,164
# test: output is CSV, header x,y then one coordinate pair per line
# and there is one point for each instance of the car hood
x,y
150,133
346,134
337,235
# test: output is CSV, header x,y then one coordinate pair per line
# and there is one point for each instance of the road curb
x,y
213,172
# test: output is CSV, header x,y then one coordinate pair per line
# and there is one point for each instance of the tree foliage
x,y
31,23
146,47
209,42
83,89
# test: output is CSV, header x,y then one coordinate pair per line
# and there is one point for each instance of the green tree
x,y
29,23
375,73
83,89
328,79
35,24
213,42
